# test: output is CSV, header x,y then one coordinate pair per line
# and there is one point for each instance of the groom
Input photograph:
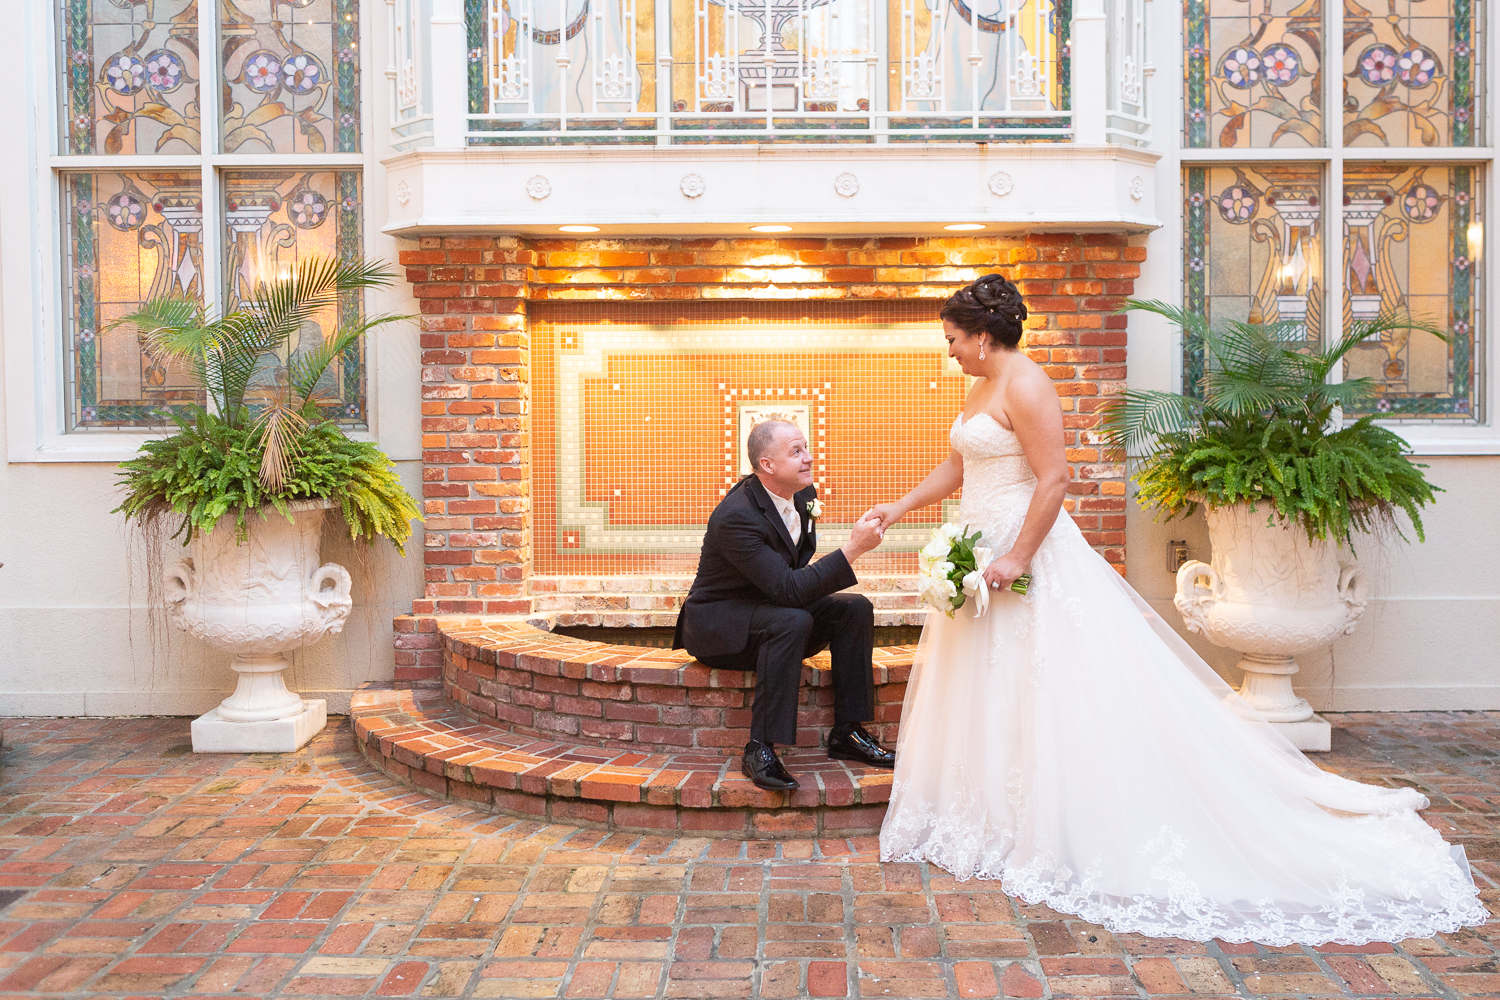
x,y
758,603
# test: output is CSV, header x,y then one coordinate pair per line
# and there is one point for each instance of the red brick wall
x,y
474,293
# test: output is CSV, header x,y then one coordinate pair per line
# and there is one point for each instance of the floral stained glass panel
x,y
275,218
128,237
130,78
1413,239
291,73
1254,249
1412,72
1253,73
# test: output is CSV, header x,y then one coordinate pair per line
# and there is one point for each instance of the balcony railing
x,y
689,72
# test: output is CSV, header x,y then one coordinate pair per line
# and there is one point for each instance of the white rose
x,y
815,508
931,593
936,549
951,531
942,569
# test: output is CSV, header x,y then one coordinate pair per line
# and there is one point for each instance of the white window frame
x,y
32,312
1163,367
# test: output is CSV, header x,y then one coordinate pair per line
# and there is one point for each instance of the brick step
x,y
416,736
678,585
612,601
884,616
549,686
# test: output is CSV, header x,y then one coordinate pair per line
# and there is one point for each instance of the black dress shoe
x,y
761,766
856,744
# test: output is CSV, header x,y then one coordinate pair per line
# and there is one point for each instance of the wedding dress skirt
x,y
1071,745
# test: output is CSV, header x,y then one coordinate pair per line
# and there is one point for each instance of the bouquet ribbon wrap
x,y
974,582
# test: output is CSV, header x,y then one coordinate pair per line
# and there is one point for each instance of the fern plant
x,y
1263,431
263,443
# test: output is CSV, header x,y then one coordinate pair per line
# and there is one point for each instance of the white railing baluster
x,y
1126,81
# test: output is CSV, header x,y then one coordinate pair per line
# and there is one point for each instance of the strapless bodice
x,y
993,457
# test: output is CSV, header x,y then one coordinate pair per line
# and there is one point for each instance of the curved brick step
x,y
414,735
521,679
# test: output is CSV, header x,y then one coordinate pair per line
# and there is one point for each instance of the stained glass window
x,y
273,219
1253,73
291,76
130,78
1254,249
1413,241
128,237
1411,72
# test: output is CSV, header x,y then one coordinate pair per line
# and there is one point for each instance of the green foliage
x,y
263,444
1260,432
211,468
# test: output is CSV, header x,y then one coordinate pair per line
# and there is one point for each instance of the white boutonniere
x,y
814,508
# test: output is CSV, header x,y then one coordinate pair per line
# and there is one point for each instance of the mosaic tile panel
x,y
1253,73
1254,248
638,415
291,76
129,76
1412,72
1414,240
274,218
127,237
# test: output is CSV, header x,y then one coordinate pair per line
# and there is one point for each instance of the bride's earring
x,y
981,354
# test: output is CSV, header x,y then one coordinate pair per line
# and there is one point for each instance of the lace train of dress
x,y
1071,745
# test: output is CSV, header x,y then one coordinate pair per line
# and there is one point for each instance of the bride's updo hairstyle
x,y
991,305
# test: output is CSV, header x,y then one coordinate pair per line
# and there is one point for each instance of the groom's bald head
x,y
779,457
762,439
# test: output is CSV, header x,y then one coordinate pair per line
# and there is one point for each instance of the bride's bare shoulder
x,y
1028,380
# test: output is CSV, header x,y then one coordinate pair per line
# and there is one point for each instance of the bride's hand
x,y
1003,571
886,513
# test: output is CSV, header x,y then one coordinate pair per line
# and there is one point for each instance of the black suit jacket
x,y
749,560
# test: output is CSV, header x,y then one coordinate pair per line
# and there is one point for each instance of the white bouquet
x,y
953,565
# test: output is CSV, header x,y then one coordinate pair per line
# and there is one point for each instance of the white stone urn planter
x,y
1271,594
258,599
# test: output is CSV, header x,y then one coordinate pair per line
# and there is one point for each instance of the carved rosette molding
x,y
846,184
1001,183
258,600
403,192
693,185
1271,594
1137,187
538,187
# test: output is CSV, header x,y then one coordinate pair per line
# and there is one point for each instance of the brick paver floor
x,y
130,867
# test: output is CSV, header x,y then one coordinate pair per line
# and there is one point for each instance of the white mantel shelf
x,y
902,190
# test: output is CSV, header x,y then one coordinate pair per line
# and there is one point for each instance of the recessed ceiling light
x,y
578,229
770,229
964,227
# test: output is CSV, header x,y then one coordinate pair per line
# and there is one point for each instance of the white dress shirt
x,y
789,514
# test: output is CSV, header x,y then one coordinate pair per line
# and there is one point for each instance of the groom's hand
x,y
886,513
864,536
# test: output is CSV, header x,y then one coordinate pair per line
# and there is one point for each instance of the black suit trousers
x,y
781,638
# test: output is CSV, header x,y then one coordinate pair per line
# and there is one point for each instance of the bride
x,y
1071,745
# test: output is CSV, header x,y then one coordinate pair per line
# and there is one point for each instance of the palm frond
x,y
277,310
1366,329
306,370
1142,414
281,427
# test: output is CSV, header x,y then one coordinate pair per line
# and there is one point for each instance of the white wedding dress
x,y
1069,744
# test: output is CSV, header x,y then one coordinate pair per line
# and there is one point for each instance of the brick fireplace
x,y
582,399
